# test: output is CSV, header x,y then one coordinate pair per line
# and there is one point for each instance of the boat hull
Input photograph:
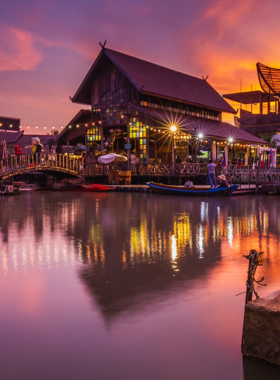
x,y
83,188
198,191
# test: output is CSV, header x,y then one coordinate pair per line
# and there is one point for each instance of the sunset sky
x,y
47,47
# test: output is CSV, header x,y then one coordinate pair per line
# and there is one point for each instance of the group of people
x,y
212,176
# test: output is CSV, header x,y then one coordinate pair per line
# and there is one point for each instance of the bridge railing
x,y
45,160
248,173
165,169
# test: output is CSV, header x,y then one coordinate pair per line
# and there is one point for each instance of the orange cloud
x,y
17,50
227,12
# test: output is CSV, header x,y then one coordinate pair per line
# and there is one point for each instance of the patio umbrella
x,y
3,150
111,158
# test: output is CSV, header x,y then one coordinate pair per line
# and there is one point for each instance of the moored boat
x,y
9,190
194,190
78,187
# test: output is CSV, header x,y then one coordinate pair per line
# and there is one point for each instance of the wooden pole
x,y
258,174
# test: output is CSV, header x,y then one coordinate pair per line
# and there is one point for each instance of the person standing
x,y
38,151
18,153
133,161
211,174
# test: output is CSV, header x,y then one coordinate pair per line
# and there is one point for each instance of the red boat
x,y
78,187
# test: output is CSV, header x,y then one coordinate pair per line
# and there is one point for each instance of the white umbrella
x,y
112,157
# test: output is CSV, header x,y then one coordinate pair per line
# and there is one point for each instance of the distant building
x,y
9,124
24,141
265,119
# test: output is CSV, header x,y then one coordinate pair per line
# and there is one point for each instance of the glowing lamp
x,y
230,139
173,128
200,135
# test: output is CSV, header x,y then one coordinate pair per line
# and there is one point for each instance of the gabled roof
x,y
156,80
10,137
210,128
83,116
26,139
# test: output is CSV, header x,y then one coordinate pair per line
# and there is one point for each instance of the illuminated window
x,y
94,134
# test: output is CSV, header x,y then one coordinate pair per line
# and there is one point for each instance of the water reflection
x,y
147,231
137,251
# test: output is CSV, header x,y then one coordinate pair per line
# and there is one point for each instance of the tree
x,y
268,137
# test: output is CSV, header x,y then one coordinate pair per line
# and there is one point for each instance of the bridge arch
x,y
51,164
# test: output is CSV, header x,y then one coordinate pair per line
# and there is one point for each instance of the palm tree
x,y
269,138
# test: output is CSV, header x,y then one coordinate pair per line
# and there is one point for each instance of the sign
x,y
127,146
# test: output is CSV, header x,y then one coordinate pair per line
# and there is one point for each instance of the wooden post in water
x,y
255,259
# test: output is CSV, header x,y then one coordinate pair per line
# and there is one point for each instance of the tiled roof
x,y
211,128
157,80
10,137
246,118
26,139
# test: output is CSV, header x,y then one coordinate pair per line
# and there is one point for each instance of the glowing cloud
x,y
17,50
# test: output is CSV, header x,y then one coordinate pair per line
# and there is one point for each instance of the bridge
x,y
57,164
51,164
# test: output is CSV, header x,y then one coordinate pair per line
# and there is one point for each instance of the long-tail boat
x,y
194,190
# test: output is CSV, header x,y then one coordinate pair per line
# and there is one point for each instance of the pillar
x,y
147,145
213,150
226,153
102,141
261,105
172,148
261,329
128,141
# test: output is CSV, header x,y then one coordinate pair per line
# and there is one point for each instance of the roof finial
x,y
205,78
103,46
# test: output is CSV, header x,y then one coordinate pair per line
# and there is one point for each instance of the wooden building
x,y
9,124
259,112
156,112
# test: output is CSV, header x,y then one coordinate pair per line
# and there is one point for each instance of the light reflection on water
x,y
134,278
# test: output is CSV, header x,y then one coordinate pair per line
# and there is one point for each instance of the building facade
x,y
157,113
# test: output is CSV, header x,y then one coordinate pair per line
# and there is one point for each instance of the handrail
x,y
53,161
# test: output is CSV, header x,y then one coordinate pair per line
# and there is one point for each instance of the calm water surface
x,y
130,286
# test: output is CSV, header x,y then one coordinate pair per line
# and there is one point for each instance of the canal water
x,y
130,286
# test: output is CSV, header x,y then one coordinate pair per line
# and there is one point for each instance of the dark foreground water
x,y
130,286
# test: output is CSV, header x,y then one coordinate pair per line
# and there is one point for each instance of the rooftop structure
x,y
265,117
269,79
